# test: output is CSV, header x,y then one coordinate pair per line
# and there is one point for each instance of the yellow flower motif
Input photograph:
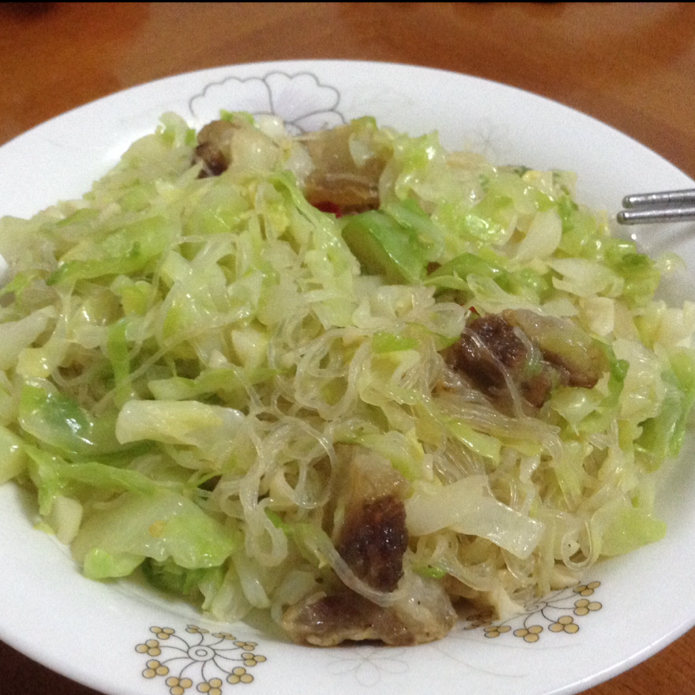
x,y
155,668
164,633
496,630
201,648
239,675
195,630
584,607
587,589
177,686
251,659
151,648
211,687
531,634
246,646
565,624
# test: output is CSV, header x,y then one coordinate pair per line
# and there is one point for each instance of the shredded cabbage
x,y
189,361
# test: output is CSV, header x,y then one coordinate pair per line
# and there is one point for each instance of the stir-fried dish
x,y
346,377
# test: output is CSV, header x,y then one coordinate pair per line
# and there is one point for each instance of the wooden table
x,y
630,65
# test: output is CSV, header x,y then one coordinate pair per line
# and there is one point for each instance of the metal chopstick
x,y
663,206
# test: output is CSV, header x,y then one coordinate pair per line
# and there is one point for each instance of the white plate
x,y
123,640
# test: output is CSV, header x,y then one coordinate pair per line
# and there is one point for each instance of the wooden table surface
x,y
630,65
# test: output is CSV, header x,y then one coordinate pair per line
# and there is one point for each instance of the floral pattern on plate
x,y
300,100
208,661
211,662
556,612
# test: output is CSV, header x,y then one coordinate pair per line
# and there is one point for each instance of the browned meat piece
x,y
491,348
373,539
536,352
214,161
214,147
425,614
370,533
489,344
327,620
336,178
564,345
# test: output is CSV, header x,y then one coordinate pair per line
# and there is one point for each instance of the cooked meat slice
x,y
564,345
213,159
369,531
536,352
373,539
214,147
370,535
326,620
488,345
492,349
337,179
